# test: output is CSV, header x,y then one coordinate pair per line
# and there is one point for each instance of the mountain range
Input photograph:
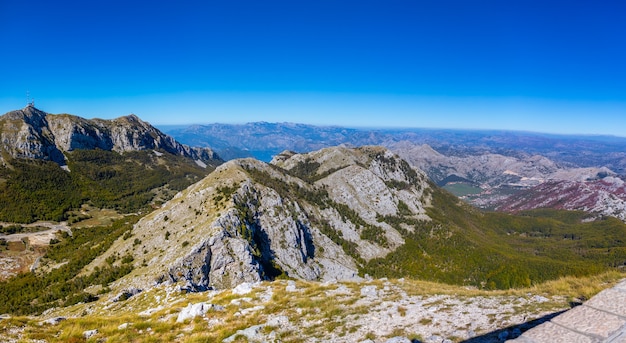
x,y
336,214
486,168
141,223
34,134
263,140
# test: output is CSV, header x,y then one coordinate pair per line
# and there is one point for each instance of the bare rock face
x,y
250,221
32,133
73,133
25,134
489,169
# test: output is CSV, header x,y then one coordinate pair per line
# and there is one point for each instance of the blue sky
x,y
547,66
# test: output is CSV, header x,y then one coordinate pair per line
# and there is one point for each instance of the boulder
x,y
193,310
90,333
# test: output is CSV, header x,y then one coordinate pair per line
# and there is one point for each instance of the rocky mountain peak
x,y
29,114
35,134
314,216
25,134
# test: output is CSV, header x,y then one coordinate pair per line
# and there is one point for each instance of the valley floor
x,y
297,311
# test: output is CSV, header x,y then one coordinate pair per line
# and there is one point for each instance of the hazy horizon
x,y
545,67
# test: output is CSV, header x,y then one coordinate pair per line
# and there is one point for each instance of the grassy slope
x,y
495,250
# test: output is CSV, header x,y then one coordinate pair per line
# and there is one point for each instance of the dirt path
x,y
37,238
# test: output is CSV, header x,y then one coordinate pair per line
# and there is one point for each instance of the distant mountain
x,y
601,197
50,164
263,140
487,180
483,167
32,133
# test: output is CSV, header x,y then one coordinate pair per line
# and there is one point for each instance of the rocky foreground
x,y
299,311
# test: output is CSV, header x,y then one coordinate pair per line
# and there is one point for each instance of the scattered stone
x,y
540,299
150,311
192,311
249,310
277,321
434,339
479,318
291,286
240,300
213,322
53,321
252,333
369,291
243,288
341,290
90,333
267,295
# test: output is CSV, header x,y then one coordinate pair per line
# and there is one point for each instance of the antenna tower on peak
x,y
29,102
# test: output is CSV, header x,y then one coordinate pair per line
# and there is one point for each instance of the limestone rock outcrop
x,y
32,133
311,217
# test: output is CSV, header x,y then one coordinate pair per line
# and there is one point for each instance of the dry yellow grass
x,y
311,309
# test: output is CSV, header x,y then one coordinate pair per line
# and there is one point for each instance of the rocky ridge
x,y
249,221
493,170
482,167
34,134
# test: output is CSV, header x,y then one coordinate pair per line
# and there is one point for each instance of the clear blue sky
x,y
548,66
